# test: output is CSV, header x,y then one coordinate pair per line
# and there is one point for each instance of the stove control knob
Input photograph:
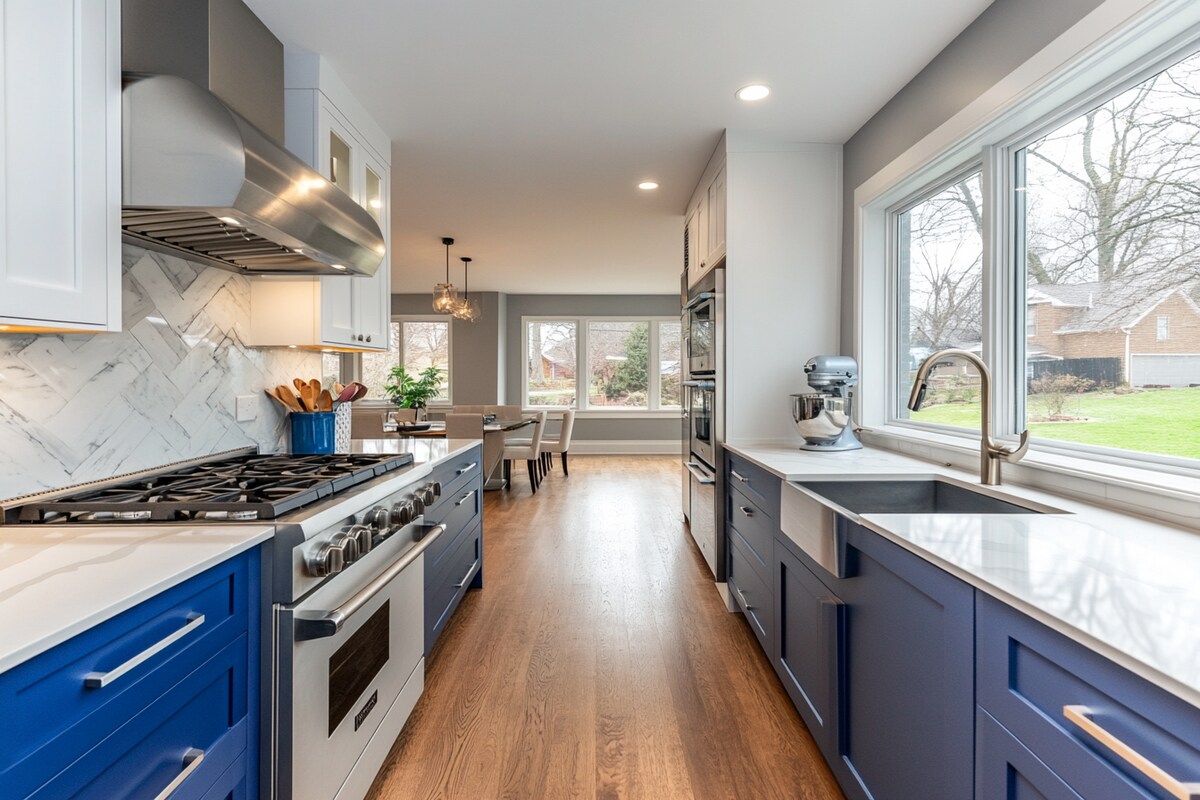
x,y
427,494
436,488
328,559
378,520
402,514
348,544
418,503
364,536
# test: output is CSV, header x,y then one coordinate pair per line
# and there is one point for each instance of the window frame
x,y
1006,119
583,368
401,319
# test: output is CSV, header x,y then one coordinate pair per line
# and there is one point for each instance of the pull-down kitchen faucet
x,y
990,453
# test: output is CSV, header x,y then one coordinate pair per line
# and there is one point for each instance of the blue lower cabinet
x,y
1006,770
163,695
907,693
454,563
808,635
1070,706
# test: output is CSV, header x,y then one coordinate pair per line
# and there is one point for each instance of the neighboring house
x,y
1155,334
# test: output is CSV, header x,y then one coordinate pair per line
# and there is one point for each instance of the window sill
x,y
1164,496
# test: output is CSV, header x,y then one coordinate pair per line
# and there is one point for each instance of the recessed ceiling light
x,y
648,185
755,91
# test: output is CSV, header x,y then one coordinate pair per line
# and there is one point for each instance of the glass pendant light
x,y
467,308
445,297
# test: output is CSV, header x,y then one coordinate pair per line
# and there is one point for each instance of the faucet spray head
x,y
918,395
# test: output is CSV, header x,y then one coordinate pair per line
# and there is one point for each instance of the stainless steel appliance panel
x,y
703,527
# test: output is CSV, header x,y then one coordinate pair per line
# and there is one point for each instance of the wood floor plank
x,y
599,662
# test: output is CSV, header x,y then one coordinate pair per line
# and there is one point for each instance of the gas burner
x,y
251,487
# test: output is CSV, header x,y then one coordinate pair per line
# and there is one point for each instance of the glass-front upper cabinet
x,y
373,196
339,163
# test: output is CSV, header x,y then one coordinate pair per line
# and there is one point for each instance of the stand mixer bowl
x,y
820,418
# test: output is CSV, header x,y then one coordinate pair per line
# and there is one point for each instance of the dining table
x,y
494,433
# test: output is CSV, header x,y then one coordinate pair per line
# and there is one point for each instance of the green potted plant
x,y
407,391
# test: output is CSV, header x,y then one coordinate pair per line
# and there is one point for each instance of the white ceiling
x,y
521,127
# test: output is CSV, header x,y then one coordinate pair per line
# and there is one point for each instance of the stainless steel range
x,y
344,574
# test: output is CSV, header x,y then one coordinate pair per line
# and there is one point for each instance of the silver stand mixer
x,y
823,415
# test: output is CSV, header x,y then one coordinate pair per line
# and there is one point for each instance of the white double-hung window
x,y
618,364
1061,243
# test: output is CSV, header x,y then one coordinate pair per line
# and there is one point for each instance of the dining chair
x,y
504,412
528,452
464,426
469,410
367,423
560,445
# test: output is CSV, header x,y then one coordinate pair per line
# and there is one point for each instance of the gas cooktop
x,y
248,487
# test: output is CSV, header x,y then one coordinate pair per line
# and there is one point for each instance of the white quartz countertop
x,y
58,581
1125,586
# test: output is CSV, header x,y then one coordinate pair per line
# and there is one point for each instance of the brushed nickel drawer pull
x,y
1081,717
191,761
467,577
465,498
468,468
98,680
747,511
734,473
745,602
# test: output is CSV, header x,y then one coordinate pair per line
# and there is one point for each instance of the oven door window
x,y
356,663
702,416
700,341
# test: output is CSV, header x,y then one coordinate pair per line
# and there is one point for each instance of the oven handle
x,y
701,384
699,474
698,299
327,623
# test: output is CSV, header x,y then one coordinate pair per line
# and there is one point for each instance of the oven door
x,y
702,397
350,669
702,334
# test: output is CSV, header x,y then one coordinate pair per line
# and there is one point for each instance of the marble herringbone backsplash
x,y
76,408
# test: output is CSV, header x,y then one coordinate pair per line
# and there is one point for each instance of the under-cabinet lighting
x,y
338,266
230,221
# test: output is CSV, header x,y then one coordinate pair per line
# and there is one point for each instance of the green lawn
x,y
1162,421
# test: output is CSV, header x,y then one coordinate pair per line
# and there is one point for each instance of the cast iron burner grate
x,y
250,487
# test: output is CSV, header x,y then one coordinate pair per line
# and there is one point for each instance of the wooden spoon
x,y
287,397
307,398
325,401
298,383
315,385
337,388
276,398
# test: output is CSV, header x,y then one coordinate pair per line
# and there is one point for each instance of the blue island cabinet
x,y
906,677
159,701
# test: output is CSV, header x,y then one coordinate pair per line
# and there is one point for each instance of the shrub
x,y
1054,391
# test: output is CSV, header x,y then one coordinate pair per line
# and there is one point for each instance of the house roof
x,y
1104,305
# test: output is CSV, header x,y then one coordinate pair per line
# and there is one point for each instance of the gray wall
x,y
476,348
486,358
1002,38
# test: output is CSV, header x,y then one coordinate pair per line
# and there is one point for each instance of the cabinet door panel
x,y
59,162
1006,770
908,694
808,636
372,303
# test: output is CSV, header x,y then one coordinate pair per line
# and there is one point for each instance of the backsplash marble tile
x,y
76,408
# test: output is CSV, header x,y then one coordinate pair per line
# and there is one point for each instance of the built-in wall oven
x,y
702,333
702,400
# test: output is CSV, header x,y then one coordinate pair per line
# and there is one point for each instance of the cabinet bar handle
x,y
466,577
747,511
98,680
465,498
191,760
745,602
734,473
468,468
1080,716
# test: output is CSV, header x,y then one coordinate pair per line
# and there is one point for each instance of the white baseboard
x,y
626,447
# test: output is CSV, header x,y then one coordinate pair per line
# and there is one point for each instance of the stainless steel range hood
x,y
200,180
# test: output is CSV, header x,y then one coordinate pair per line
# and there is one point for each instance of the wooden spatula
x,y
287,397
325,401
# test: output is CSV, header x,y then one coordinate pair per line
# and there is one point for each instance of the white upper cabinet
x,y
60,165
328,128
706,225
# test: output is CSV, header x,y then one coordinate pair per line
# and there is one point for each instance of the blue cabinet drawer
x,y
458,513
1006,770
191,734
751,594
456,475
755,482
753,527
1060,700
59,704
459,570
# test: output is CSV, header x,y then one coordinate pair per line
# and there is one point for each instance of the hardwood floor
x,y
598,661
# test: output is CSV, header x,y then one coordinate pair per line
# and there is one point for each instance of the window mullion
x,y
582,377
652,366
1000,344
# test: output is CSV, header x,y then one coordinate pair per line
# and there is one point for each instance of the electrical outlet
x,y
246,407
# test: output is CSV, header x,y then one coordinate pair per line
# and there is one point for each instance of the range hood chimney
x,y
204,175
